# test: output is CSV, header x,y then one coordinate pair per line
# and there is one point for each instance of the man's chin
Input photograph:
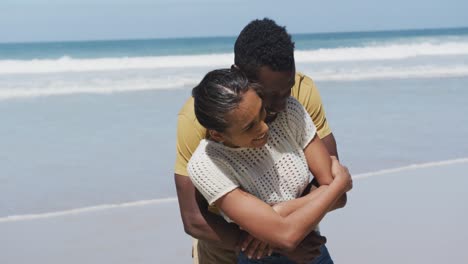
x,y
278,109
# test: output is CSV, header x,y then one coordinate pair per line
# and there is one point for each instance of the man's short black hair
x,y
263,43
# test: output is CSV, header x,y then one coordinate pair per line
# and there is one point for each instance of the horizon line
x,y
230,36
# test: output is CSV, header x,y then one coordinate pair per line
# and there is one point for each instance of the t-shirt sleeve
x,y
299,122
189,135
212,177
308,95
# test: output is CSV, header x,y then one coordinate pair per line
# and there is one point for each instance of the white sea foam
x,y
90,209
68,76
105,84
385,72
54,88
367,53
383,52
67,64
104,207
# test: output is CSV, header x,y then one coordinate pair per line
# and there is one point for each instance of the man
x,y
265,52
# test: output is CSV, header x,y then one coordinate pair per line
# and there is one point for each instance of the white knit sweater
x,y
274,173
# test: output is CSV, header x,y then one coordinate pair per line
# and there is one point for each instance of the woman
x,y
247,166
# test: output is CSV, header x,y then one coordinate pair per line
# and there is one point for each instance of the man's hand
x,y
308,249
254,248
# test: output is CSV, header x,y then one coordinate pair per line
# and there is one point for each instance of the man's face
x,y
277,87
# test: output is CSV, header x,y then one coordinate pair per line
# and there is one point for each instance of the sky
x,y
58,20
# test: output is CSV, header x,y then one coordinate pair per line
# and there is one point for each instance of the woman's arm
x,y
319,161
261,221
288,207
323,167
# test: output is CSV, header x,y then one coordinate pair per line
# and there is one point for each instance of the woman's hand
x,y
341,174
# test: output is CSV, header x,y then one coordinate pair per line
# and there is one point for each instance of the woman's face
x,y
247,127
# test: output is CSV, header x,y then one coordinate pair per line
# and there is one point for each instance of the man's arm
x,y
198,221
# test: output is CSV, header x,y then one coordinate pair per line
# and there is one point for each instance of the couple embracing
x,y
249,141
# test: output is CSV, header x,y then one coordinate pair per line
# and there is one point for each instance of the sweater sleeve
x,y
211,176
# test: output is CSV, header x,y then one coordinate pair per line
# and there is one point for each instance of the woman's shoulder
x,y
206,147
207,157
208,151
292,106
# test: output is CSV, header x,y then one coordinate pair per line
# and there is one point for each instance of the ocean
x,y
92,123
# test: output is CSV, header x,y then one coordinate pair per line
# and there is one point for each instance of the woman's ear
x,y
216,136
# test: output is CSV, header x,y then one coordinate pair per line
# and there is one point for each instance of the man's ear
x,y
234,67
216,136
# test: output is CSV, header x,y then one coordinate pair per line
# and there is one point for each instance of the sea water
x,y
91,123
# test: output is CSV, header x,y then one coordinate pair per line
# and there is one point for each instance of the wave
x,y
377,73
373,52
383,52
143,203
68,64
109,84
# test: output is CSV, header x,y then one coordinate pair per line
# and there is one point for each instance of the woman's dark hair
x,y
263,43
218,93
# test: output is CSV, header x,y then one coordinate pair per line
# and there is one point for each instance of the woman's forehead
x,y
247,111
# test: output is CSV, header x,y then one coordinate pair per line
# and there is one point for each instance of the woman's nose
x,y
264,127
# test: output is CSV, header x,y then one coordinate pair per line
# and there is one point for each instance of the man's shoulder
x,y
303,82
304,89
188,108
188,120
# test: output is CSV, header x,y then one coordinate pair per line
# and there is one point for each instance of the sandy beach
x,y
392,216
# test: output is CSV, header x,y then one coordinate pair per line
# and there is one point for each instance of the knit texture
x,y
274,173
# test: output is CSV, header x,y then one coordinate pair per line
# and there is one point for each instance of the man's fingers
x,y
246,242
250,251
262,250
322,239
314,238
270,251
